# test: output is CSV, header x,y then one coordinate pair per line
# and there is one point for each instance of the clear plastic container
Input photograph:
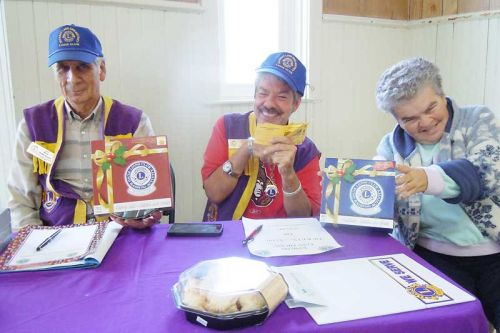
x,y
229,292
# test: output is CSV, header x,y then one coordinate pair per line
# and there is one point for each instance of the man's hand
x,y
410,181
281,152
139,224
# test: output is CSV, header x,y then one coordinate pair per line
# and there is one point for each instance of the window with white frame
x,y
250,30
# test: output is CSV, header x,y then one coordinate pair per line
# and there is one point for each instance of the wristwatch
x,y
227,167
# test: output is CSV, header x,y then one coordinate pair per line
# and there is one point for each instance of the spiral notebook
x,y
75,246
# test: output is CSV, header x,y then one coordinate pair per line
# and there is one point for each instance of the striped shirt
x,y
74,164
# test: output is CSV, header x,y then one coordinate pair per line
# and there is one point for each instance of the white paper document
x,y
345,290
288,237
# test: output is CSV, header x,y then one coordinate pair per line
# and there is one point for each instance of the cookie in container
x,y
229,292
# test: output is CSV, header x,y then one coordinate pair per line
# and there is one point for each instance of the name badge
x,y
42,153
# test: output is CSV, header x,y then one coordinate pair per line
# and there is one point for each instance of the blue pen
x,y
48,240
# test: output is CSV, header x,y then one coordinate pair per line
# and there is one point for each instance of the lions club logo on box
x,y
366,197
140,178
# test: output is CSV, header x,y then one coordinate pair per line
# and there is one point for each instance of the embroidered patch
x,y
288,63
49,200
69,37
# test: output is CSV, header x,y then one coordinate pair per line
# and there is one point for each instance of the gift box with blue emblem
x,y
131,175
358,192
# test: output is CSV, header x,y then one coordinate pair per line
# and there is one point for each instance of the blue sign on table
x,y
358,192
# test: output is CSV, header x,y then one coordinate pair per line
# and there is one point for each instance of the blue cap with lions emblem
x,y
71,42
288,67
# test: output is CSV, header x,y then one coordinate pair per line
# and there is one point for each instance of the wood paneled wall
x,y
388,9
421,9
406,9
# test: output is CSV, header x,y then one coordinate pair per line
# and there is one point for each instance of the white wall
x,y
350,55
163,62
167,64
7,117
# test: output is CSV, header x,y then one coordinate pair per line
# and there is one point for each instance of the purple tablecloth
x,y
130,291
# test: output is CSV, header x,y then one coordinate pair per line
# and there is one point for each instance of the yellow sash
x,y
252,170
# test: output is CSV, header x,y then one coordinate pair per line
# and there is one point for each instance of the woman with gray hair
x,y
448,181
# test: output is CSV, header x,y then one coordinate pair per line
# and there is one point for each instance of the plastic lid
x,y
228,286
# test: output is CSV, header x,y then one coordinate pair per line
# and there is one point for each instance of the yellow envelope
x,y
265,132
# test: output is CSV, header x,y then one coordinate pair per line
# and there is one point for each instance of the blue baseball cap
x,y
287,67
71,42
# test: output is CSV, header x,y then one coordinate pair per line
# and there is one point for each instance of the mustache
x,y
269,110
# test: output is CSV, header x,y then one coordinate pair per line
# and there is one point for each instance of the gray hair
x,y
403,81
296,95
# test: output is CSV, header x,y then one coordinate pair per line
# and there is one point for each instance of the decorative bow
x,y
346,172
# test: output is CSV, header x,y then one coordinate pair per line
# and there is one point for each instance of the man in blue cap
x,y
242,178
51,180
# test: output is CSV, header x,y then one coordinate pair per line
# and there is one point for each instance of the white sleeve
x,y
24,189
145,128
